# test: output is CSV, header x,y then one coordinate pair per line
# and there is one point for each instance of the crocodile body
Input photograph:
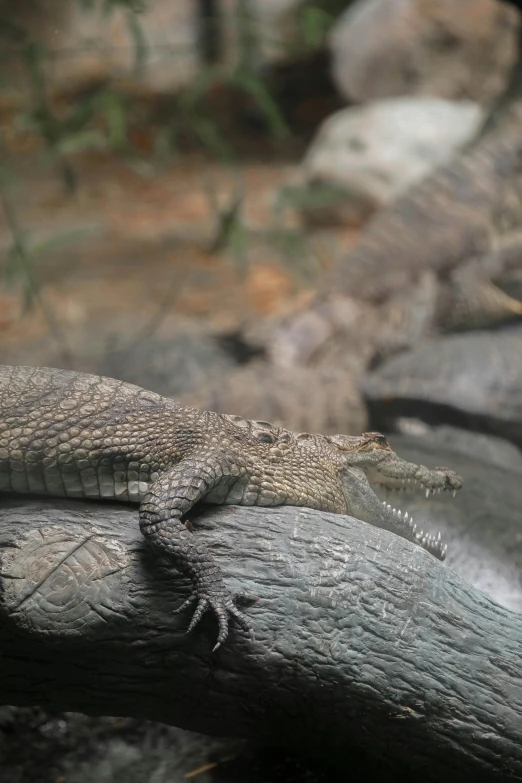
x,y
75,435
444,256
458,213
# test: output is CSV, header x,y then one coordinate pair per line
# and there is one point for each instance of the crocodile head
x,y
370,462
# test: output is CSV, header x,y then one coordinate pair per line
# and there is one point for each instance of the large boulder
x,y
374,152
385,48
156,50
170,363
472,380
304,399
170,366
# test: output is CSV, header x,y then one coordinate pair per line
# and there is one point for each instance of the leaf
x,y
84,140
314,24
166,143
11,269
210,136
112,106
135,6
80,114
140,42
255,87
57,241
204,81
18,270
313,196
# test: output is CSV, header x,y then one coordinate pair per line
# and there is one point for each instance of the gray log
x,y
367,648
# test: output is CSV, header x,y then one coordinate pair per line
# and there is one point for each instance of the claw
x,y
222,607
201,608
222,624
190,600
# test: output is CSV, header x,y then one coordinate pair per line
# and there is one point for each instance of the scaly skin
x,y
444,256
83,436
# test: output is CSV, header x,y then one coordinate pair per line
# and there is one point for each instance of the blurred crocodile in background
x,y
445,256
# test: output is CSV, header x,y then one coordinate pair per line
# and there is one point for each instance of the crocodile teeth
x,y
406,515
427,493
454,492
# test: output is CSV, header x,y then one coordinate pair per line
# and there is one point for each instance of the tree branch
x,y
367,649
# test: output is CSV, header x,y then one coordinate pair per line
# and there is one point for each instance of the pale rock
x,y
374,152
443,48
86,46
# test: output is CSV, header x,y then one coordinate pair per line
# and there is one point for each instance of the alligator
x,y
70,434
465,209
444,256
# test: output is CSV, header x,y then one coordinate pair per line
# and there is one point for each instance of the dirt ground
x,y
134,246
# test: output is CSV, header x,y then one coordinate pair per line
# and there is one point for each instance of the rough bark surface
x,y
368,650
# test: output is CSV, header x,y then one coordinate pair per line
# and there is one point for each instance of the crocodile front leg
x,y
169,498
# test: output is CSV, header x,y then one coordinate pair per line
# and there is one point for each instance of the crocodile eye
x,y
380,440
265,437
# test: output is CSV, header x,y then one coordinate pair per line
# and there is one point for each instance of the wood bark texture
x,y
368,651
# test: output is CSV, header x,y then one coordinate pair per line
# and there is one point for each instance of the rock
x,y
483,448
304,399
309,372
94,42
385,48
169,366
375,152
87,46
471,380
315,334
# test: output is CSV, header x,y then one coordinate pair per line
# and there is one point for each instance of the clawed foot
x,y
223,605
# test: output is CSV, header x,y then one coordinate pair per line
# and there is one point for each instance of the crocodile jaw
x,y
432,542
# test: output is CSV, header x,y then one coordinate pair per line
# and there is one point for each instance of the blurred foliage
x,y
318,195
105,115
71,129
19,267
314,22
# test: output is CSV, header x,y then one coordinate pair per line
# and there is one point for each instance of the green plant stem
x,y
31,284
